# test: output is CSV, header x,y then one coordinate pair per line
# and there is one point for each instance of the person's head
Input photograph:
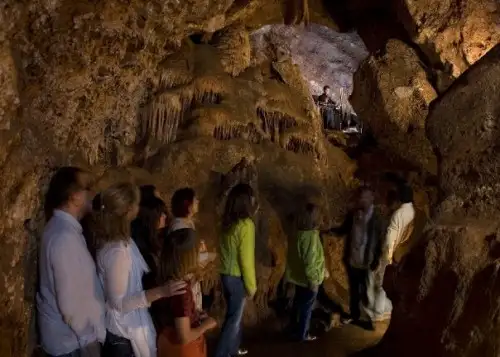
x,y
179,259
326,90
309,217
240,204
148,192
119,207
152,218
184,203
365,198
68,190
405,194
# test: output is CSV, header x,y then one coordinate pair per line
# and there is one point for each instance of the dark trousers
x,y
357,290
116,346
91,350
302,307
328,119
230,337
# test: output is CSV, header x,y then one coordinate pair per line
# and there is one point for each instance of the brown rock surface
x,y
464,127
446,296
392,96
120,88
453,34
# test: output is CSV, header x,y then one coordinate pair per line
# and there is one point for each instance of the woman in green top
x,y
237,254
306,270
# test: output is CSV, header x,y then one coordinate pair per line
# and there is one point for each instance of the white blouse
x,y
120,268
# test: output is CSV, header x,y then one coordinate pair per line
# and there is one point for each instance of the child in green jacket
x,y
305,269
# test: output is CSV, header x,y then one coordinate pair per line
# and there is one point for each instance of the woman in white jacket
x,y
120,265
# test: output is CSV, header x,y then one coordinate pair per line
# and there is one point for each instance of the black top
x,y
375,233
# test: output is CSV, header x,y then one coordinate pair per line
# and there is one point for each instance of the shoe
x,y
346,320
310,338
242,352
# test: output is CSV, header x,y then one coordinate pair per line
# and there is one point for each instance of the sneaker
x,y
346,320
310,338
242,352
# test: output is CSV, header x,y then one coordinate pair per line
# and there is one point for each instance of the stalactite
x,y
301,146
228,132
171,79
209,97
161,118
275,123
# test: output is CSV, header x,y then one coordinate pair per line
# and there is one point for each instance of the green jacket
x,y
306,260
237,253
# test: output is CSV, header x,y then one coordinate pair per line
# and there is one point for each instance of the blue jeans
x,y
303,302
230,336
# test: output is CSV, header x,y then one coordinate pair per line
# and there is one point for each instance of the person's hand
x,y
173,288
209,323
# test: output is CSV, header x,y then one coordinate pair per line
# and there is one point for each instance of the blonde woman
x,y
120,266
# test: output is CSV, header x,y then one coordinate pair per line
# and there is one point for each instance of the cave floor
x,y
338,342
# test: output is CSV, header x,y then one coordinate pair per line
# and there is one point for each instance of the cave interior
x,y
176,93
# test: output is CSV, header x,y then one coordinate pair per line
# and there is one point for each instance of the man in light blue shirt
x,y
70,300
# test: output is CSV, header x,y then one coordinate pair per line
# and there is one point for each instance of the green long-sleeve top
x,y
306,260
237,253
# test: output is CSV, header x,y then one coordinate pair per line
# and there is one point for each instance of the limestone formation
x,y
453,34
392,96
447,289
464,127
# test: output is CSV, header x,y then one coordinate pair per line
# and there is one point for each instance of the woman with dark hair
x,y
147,231
306,270
181,327
148,192
237,256
184,206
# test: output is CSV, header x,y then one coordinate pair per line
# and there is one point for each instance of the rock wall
x,y
392,95
453,34
447,290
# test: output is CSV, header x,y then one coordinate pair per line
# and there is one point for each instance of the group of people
x,y
370,246
119,275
